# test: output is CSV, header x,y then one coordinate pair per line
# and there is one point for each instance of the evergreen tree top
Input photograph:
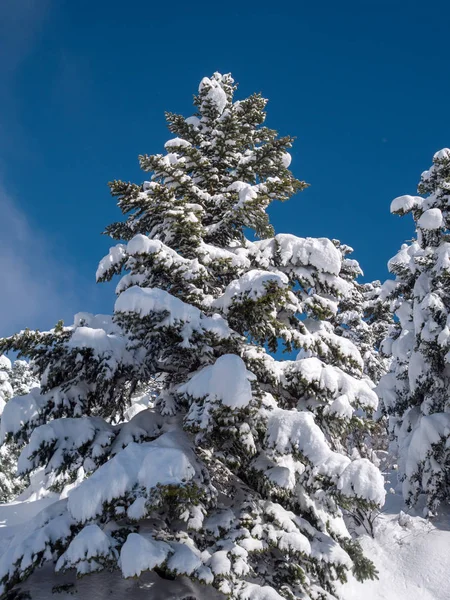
x,y
218,175
431,213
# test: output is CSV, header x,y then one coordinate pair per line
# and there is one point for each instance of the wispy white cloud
x,y
35,289
21,23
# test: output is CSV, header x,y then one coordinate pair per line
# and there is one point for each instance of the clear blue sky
x,y
364,86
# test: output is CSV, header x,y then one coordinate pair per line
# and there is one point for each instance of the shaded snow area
x,y
412,555
45,584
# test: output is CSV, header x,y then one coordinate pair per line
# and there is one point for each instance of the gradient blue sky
x,y
363,85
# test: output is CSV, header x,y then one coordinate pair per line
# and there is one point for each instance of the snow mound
x,y
226,381
443,154
252,285
286,160
142,553
252,591
431,219
184,559
98,340
177,143
116,255
145,465
403,204
362,479
19,411
194,121
320,253
410,554
89,543
5,363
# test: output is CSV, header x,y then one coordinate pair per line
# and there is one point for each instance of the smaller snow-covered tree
x,y
22,378
378,316
364,316
15,380
6,390
8,462
415,391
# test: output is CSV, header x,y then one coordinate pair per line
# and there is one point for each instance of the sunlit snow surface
x,y
411,554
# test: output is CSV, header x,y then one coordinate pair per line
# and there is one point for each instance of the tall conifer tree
x,y
415,392
238,477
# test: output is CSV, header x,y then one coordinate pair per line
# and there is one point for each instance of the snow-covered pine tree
x,y
364,316
6,390
15,380
22,378
378,316
238,476
6,464
415,391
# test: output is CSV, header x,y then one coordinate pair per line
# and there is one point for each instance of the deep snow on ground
x,y
411,554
